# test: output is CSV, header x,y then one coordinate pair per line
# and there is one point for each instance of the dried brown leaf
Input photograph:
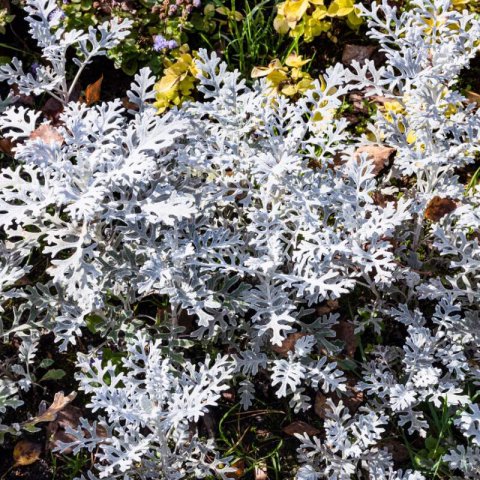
x,y
56,430
26,452
47,134
380,155
320,405
439,207
288,345
298,426
239,472
93,91
60,401
473,97
6,146
346,333
261,473
360,53
327,307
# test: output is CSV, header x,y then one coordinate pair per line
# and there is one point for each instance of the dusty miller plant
x,y
247,211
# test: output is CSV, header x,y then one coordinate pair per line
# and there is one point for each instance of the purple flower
x,y
196,3
56,16
34,67
161,43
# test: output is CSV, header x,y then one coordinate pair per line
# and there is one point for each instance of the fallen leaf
x,y
261,473
22,98
128,104
56,430
358,101
52,110
288,345
473,97
327,307
354,397
380,155
438,207
360,53
92,92
397,450
380,100
345,331
229,395
26,453
60,401
239,472
320,405
298,426
47,134
6,146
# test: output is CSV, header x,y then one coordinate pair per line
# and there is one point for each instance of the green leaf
x,y
430,443
46,362
86,4
54,374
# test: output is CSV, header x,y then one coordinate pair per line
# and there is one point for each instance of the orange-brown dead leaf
x,y
473,97
298,426
6,146
327,307
321,406
60,401
128,104
261,473
92,92
288,345
26,453
380,155
47,134
439,207
239,472
360,53
56,430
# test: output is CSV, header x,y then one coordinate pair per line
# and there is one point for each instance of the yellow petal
x,y
304,85
320,13
258,72
280,24
167,83
295,61
276,77
354,20
411,137
289,90
340,8
295,9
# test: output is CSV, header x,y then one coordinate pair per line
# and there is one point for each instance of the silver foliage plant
x,y
247,211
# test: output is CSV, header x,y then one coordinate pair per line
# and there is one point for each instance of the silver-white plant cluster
x,y
247,211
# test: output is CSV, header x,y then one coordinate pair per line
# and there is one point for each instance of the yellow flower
x,y
411,137
294,10
392,107
340,8
288,79
296,61
309,18
177,83
313,28
258,72
353,19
